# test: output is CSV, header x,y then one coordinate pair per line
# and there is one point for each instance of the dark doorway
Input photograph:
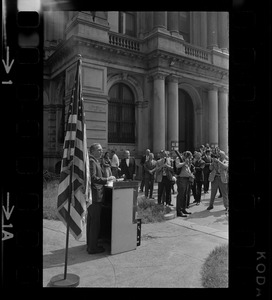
x,y
186,122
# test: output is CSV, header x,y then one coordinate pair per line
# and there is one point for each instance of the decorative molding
x,y
159,75
172,78
223,89
213,87
130,81
142,104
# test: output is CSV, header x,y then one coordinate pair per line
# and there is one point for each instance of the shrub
x,y
49,177
150,212
214,272
50,196
147,209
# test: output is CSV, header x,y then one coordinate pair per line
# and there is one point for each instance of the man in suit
x,y
128,166
164,174
94,210
219,178
144,159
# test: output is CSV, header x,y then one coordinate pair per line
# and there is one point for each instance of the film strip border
x,y
249,138
21,195
250,152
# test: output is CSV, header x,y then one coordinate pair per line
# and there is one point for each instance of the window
x,y
121,117
130,24
122,22
127,24
184,25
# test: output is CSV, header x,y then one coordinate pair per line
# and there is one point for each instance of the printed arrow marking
x,y
7,212
7,65
7,82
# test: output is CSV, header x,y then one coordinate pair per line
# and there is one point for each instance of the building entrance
x,y
186,122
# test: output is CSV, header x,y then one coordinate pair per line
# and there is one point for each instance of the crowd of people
x,y
206,168
192,173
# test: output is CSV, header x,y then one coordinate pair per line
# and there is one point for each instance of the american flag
x,y
75,161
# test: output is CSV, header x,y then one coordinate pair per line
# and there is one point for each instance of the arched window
x,y
121,117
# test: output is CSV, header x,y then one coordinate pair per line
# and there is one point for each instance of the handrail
x,y
196,52
124,41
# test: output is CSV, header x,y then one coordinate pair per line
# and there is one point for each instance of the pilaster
x,y
159,20
223,118
213,114
172,110
159,112
172,20
212,42
223,37
203,29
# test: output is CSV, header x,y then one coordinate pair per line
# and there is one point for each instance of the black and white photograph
x,y
137,146
135,107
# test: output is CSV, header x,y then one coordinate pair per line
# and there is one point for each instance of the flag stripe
x,y
74,228
74,179
70,143
79,154
71,127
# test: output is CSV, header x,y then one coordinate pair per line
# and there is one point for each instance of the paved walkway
x,y
171,253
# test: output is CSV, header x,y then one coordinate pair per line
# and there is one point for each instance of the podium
x,y
118,216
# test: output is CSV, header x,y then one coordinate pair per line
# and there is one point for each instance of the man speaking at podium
x,y
94,210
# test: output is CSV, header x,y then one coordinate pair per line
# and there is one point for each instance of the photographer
x,y
183,183
216,154
164,175
219,178
206,171
199,165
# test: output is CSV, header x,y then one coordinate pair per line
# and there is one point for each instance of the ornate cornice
x,y
178,62
167,62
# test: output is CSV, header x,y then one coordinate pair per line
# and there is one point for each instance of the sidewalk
x,y
171,253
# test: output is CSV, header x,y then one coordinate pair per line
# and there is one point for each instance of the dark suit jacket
x,y
143,160
97,180
128,170
199,166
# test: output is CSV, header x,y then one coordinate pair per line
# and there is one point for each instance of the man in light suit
x,y
128,166
219,179
98,182
164,174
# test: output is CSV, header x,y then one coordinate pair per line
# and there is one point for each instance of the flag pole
x,y
67,280
68,221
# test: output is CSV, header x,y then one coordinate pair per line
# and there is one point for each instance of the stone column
x,y
159,113
223,119
142,125
172,111
159,19
213,115
203,29
223,31
148,21
141,25
195,28
212,30
172,20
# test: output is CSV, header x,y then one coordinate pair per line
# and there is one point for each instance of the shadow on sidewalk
x,y
76,255
205,213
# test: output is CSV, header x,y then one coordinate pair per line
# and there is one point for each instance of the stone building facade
x,y
150,79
